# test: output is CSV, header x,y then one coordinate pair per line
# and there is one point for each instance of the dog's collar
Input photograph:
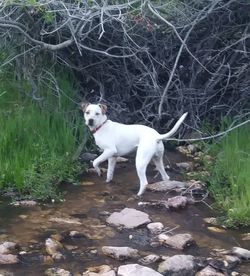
x,y
96,129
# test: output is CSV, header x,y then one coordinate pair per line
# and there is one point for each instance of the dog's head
x,y
94,114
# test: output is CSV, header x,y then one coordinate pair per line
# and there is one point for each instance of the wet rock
x,y
87,183
246,237
154,203
136,270
65,220
6,247
76,234
55,271
27,203
103,270
216,229
128,218
177,202
178,241
166,185
53,247
212,220
23,216
233,261
178,265
242,253
187,166
4,272
8,259
188,150
57,237
209,271
149,259
120,253
192,148
155,227
88,156
220,264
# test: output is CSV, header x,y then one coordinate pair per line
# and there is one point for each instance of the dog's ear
x,y
103,108
84,106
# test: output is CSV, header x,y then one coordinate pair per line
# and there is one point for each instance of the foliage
x,y
149,60
37,145
230,174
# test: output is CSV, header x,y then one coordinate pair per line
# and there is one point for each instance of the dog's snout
x,y
91,122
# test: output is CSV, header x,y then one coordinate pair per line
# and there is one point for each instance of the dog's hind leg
x,y
158,161
111,168
145,152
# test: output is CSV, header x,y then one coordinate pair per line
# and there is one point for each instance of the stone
x,y
128,218
4,272
209,271
211,220
177,202
246,237
149,259
27,203
166,185
178,241
120,253
192,148
178,265
8,259
155,227
232,260
6,247
76,234
88,156
65,220
136,270
154,203
103,270
242,253
57,237
52,248
187,166
87,183
216,229
55,271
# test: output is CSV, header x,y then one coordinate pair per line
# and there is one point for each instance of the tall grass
x,y
37,144
230,180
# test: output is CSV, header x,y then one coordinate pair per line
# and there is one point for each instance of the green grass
x,y
37,144
230,176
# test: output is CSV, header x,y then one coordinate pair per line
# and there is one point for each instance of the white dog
x,y
117,139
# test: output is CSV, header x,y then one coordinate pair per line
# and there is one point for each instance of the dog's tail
x,y
174,129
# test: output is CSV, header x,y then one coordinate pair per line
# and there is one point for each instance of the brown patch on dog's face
x,y
103,108
84,106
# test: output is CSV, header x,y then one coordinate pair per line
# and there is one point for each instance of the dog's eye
x,y
87,112
97,114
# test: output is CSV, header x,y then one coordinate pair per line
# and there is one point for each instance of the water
x,y
30,226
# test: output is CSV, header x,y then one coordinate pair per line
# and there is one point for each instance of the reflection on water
x,y
30,226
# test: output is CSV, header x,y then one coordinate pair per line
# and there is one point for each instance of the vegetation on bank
x,y
37,144
230,177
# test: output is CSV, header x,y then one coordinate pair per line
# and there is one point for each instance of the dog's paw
x,y
98,171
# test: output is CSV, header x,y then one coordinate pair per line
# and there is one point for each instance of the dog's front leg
x,y
108,153
111,168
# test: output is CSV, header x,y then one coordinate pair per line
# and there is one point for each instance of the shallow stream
x,y
30,226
